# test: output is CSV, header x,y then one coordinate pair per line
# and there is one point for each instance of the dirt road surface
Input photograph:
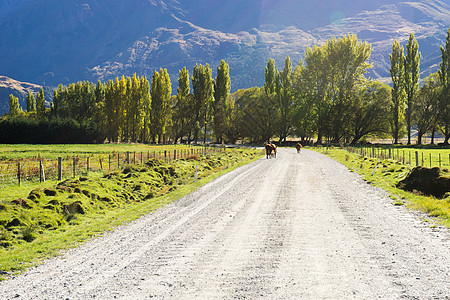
x,y
300,226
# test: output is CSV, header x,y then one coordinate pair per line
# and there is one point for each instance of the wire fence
x,y
413,158
41,169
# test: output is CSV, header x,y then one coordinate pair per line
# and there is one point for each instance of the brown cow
x,y
299,147
271,150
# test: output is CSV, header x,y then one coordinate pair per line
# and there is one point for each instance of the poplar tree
x,y
161,96
100,116
135,108
270,76
146,107
398,90
285,98
444,100
182,109
203,86
412,65
40,104
31,102
221,95
268,101
14,107
111,111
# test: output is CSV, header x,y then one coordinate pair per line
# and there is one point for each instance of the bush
x,y
27,130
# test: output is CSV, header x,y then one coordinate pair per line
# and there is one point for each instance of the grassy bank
x,y
38,223
388,173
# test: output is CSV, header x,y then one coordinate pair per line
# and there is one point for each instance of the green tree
x,y
221,99
59,108
398,90
31,102
444,100
426,107
267,104
100,116
14,107
370,110
182,114
161,98
346,61
146,108
270,77
203,96
412,65
111,109
251,117
285,99
40,104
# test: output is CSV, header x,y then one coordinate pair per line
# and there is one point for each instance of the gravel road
x,y
300,226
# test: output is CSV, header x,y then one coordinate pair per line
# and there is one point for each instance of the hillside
x,y
61,41
19,89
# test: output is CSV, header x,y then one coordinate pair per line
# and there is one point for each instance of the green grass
x,y
45,225
386,176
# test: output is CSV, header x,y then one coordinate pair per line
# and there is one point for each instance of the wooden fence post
x,y
40,170
87,165
73,165
59,168
18,172
417,158
128,157
109,161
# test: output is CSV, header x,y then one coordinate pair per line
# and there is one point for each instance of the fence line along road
x,y
41,169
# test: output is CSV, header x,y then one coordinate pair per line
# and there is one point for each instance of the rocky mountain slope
x,y
61,41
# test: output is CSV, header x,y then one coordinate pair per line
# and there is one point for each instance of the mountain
x,y
62,41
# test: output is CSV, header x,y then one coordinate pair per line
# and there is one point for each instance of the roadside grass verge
x,y
40,223
386,176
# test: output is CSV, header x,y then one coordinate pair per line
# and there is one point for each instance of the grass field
x,y
387,175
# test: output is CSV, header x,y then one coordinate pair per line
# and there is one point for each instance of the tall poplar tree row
x,y
444,101
220,104
398,91
412,65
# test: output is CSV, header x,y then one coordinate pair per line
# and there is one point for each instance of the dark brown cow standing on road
x,y
269,149
299,147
